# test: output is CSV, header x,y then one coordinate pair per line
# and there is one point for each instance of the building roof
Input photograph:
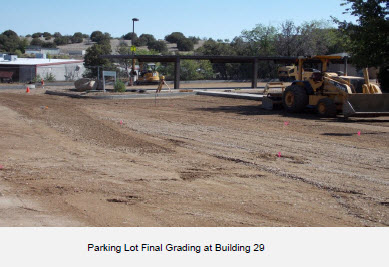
x,y
39,61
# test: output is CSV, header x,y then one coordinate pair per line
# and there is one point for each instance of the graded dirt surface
x,y
187,161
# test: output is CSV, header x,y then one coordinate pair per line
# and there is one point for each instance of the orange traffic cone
x,y
28,89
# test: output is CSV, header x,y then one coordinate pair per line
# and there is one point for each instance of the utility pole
x,y
133,52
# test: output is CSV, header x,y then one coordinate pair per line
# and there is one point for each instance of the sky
x,y
217,19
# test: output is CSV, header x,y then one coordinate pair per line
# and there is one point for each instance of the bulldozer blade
x,y
271,103
366,105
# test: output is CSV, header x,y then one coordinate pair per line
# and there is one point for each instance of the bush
x,y
77,38
62,40
99,37
46,34
174,37
120,86
159,46
49,45
195,40
185,45
49,77
36,79
37,42
36,35
128,36
18,53
144,39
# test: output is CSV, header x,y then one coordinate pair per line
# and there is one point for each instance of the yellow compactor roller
x,y
331,94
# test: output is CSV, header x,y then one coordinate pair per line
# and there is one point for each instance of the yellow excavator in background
x,y
330,94
148,74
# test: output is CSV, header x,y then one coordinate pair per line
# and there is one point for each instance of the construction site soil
x,y
186,161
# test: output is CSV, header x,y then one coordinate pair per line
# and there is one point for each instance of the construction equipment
x,y
161,83
290,73
331,94
272,97
148,74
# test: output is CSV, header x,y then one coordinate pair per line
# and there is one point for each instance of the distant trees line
x,y
10,42
366,40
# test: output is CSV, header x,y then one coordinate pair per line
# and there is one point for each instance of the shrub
x,y
195,40
49,77
63,40
49,45
77,38
174,37
37,42
144,39
128,36
37,78
185,45
159,46
36,35
119,86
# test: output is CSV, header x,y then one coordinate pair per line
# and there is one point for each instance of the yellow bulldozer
x,y
330,94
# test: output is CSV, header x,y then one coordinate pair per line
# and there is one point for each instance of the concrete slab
x,y
256,97
124,96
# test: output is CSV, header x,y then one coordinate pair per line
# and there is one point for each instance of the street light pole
x,y
132,44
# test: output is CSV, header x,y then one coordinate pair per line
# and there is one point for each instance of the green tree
x,y
37,42
144,40
9,41
128,36
213,48
185,44
287,42
77,38
261,39
58,34
23,43
36,35
159,46
369,44
49,45
99,37
174,37
194,39
18,53
93,59
46,34
62,40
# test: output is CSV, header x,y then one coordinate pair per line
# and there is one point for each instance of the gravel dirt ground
x,y
188,161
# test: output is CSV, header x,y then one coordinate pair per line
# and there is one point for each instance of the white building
x,y
33,50
26,69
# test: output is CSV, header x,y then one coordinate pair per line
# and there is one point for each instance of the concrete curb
x,y
134,96
231,95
